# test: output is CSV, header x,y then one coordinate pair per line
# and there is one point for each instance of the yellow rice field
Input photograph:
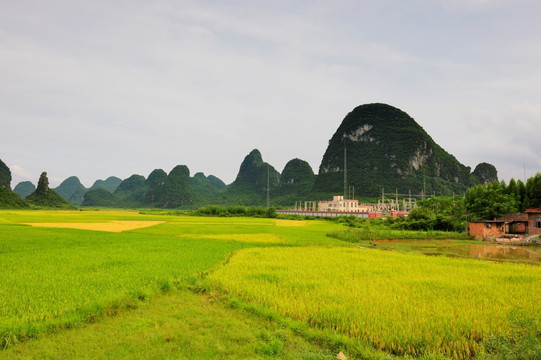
x,y
112,226
291,223
244,238
405,304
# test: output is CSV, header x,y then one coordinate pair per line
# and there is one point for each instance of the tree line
x,y
481,202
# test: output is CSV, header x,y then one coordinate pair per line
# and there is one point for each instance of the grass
x,y
383,233
179,325
56,278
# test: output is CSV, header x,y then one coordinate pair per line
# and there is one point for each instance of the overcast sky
x,y
100,88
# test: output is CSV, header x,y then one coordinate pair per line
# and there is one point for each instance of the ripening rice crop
x,y
69,273
401,303
112,226
244,238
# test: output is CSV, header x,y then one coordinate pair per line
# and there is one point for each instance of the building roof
x,y
513,217
487,221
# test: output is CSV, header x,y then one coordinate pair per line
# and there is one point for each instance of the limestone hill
x,y
250,186
5,176
45,197
8,199
296,183
110,184
160,190
71,190
24,188
386,148
206,187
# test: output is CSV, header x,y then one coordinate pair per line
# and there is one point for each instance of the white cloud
x,y
118,88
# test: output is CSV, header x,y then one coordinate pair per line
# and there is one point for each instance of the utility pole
x,y
345,167
424,185
268,185
524,171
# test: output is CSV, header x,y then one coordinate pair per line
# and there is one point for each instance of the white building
x,y
339,204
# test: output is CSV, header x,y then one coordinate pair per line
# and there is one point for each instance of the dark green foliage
x,y
98,197
10,200
235,210
445,205
437,213
533,192
71,190
430,223
387,149
131,184
250,186
177,190
24,188
44,197
5,176
271,212
216,182
485,173
254,173
110,184
131,192
158,190
43,184
488,202
206,187
296,183
522,194
154,186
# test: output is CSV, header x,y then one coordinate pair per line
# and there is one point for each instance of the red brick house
x,y
483,229
534,221
509,224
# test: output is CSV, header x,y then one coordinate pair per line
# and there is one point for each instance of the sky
x,y
113,88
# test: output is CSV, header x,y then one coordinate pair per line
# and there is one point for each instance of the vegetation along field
x,y
119,284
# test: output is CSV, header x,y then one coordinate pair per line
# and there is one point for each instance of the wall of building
x,y
339,204
534,223
485,229
361,215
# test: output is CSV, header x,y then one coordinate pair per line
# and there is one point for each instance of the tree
x,y
522,195
488,202
533,191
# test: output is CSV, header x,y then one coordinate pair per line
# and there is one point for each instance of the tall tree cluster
x,y
485,202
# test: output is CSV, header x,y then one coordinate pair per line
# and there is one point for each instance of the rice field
x,y
77,267
405,304
113,226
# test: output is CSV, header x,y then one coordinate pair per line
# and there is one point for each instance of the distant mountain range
x,y
376,148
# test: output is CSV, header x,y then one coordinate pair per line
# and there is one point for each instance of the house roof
x,y
488,221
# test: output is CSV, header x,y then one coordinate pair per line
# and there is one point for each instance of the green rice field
x,y
62,276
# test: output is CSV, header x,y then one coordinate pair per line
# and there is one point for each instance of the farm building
x,y
534,221
509,224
